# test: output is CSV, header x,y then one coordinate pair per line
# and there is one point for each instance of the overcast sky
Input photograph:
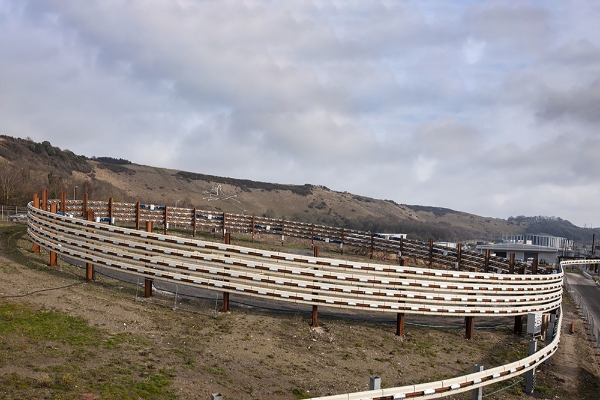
x,y
487,107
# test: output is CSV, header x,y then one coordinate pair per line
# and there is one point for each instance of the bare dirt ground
x,y
253,353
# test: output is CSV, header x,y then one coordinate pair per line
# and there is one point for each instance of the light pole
x,y
74,192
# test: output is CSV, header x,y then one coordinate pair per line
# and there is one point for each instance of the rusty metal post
x,y
404,261
534,266
511,264
45,200
315,316
147,287
194,222
89,267
486,263
518,328
137,215
282,230
400,324
342,243
312,234
225,301
36,204
148,281
316,251
402,250
253,219
85,204
430,252
372,246
458,256
166,221
63,202
227,238
224,223
111,211
470,327
53,257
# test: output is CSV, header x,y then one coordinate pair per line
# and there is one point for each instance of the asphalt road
x,y
590,292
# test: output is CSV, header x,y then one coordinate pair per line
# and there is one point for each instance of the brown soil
x,y
253,353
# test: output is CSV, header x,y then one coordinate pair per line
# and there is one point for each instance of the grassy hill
x,y
32,166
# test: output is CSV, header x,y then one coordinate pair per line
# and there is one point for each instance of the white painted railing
x,y
293,278
313,281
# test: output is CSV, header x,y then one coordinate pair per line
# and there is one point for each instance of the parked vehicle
x,y
17,217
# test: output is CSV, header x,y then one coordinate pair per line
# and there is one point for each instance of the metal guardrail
x,y
293,278
205,220
587,315
313,281
447,387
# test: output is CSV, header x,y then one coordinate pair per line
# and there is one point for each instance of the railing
x,y
586,313
134,214
293,278
448,387
313,281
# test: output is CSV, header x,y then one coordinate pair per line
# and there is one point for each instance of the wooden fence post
x,y
430,252
511,264
166,221
111,214
85,204
225,302
194,222
315,317
469,327
137,215
63,202
518,327
400,324
45,200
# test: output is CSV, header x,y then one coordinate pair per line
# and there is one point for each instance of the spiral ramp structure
x,y
336,283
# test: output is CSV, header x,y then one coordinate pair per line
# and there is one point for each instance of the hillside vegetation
x,y
27,167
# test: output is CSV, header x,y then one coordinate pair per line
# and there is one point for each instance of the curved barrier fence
x,y
135,214
313,281
293,278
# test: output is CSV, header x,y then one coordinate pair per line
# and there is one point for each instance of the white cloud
x,y
410,101
473,50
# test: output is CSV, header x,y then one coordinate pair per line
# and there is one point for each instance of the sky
x,y
488,107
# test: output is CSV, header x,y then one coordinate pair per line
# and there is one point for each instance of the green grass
x,y
71,358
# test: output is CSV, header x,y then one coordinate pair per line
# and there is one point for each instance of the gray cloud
x,y
471,105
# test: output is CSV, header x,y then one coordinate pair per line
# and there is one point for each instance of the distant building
x,y
541,247
541,240
522,252
450,245
393,236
